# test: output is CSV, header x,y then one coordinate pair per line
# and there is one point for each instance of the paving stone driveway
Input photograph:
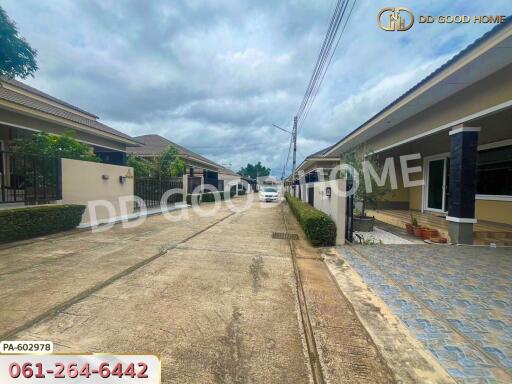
x,y
456,300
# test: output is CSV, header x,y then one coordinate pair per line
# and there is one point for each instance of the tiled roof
x,y
320,152
38,105
37,92
154,144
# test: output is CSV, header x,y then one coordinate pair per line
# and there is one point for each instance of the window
x,y
494,172
267,189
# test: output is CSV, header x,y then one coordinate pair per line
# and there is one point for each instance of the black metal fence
x,y
219,184
349,214
193,183
29,179
151,190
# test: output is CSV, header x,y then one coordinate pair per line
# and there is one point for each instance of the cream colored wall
x,y
496,211
334,206
82,182
415,198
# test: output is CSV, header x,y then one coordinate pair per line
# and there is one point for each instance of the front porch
x,y
457,180
484,231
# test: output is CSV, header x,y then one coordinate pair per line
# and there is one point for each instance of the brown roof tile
x,y
27,101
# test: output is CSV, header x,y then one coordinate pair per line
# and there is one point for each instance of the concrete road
x,y
214,296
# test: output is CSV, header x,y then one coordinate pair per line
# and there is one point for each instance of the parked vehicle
x,y
269,194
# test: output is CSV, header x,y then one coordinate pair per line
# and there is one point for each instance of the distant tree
x,y
254,171
165,165
141,167
45,144
168,164
17,57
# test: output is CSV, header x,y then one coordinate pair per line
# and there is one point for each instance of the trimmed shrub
x,y
189,198
208,197
241,192
25,223
319,228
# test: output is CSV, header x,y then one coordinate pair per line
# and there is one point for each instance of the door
x,y
437,185
311,196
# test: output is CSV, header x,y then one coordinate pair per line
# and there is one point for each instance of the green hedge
x,y
208,197
319,228
241,192
25,223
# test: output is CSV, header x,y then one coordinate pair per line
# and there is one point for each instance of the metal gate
x,y
349,214
311,196
151,190
29,179
218,184
193,183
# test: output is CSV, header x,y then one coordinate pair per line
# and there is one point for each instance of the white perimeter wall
x,y
82,181
334,206
227,179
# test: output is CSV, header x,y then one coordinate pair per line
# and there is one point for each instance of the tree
x,y
141,167
168,164
356,158
17,57
165,165
254,171
45,144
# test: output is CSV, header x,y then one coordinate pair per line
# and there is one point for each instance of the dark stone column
x,y
462,186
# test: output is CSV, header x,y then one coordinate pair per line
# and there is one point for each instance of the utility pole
x,y
294,136
294,139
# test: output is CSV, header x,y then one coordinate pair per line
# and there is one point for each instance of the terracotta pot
x,y
409,228
417,231
439,240
428,233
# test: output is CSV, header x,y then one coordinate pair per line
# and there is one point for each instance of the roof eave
x,y
491,38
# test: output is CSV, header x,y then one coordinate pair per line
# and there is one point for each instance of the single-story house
x,y
200,169
456,125
25,110
316,166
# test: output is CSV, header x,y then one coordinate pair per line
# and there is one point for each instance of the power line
x,y
287,158
329,62
322,65
324,53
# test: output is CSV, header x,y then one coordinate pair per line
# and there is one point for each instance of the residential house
x,y
25,110
456,125
200,169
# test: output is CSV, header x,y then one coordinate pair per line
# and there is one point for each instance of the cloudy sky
x,y
214,75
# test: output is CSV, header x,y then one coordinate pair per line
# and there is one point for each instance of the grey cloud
x,y
213,75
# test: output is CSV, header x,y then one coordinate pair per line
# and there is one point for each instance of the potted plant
x,y
415,227
367,197
428,233
410,227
